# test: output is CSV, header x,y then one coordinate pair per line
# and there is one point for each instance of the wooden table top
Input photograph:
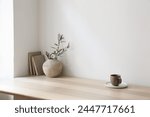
x,y
64,88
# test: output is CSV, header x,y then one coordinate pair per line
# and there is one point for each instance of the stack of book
x,y
35,62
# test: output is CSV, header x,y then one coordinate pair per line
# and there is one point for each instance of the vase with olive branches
x,y
53,67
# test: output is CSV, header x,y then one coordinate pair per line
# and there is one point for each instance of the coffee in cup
x,y
115,79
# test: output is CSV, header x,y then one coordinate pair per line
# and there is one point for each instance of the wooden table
x,y
64,88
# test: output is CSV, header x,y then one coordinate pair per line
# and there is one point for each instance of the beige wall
x,y
106,36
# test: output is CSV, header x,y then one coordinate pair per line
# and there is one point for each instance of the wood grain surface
x,y
64,88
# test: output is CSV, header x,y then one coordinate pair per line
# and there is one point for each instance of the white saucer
x,y
121,86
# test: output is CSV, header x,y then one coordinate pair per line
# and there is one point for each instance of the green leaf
x,y
61,37
68,45
55,44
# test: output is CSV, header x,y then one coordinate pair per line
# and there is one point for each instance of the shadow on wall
x,y
6,96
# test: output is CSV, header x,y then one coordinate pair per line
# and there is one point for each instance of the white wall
x,y
25,33
106,36
6,38
6,42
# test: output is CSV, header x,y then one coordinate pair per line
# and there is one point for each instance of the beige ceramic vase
x,y
52,68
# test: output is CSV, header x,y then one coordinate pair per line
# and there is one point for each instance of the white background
x,y
7,108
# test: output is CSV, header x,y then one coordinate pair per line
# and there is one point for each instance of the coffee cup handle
x,y
120,80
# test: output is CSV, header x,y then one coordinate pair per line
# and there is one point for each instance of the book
x,y
31,69
38,61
